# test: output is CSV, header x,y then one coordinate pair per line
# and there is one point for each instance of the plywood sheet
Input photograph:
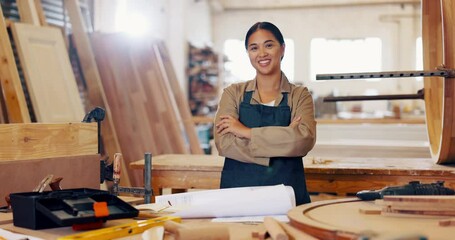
x,y
48,73
24,176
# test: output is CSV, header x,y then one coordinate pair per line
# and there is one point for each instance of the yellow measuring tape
x,y
121,230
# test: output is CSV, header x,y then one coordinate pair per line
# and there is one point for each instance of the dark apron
x,y
281,170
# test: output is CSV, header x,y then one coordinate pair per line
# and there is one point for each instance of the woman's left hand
x,y
229,124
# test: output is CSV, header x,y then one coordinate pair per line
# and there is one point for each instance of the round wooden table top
x,y
346,219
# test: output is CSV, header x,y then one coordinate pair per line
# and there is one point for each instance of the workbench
x,y
341,176
237,231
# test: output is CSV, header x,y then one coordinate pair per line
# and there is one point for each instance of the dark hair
x,y
266,26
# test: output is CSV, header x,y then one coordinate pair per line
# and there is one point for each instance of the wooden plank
x,y
41,140
173,115
40,12
180,98
129,75
23,176
27,12
96,95
2,107
48,73
13,93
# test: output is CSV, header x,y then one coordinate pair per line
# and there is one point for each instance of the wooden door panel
x,y
48,73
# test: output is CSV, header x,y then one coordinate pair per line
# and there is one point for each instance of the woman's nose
x,y
262,52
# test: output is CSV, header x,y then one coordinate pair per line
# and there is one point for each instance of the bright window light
x,y
131,22
238,67
419,54
345,56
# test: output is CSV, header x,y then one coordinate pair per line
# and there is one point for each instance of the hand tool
x,y
55,184
413,188
43,184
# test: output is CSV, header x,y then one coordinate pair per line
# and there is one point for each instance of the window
x,y
345,56
238,68
419,54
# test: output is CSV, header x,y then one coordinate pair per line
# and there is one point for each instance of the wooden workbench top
x,y
383,166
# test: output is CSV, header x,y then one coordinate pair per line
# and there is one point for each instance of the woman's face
x,y
265,52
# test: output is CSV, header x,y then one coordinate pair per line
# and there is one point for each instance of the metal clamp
x,y
146,191
441,72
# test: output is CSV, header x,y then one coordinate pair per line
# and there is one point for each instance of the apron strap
x,y
247,97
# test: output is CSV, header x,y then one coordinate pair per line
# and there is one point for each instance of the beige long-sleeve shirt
x,y
272,141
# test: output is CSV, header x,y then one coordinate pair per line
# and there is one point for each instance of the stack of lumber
x,y
134,81
144,110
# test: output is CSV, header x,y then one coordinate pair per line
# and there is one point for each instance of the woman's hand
x,y
295,122
229,124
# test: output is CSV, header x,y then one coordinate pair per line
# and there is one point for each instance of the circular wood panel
x,y
438,40
342,219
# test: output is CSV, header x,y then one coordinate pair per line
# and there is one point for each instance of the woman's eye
x,y
269,45
253,48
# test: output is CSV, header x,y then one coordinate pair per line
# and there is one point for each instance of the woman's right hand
x,y
229,124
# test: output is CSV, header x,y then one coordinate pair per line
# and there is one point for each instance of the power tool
x,y
413,188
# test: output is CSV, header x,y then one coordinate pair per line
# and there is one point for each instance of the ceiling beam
x,y
238,5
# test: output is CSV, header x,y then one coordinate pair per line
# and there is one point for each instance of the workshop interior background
x,y
198,49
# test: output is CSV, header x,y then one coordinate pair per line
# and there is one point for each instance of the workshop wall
x,y
398,25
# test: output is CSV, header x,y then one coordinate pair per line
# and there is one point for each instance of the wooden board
x,y
341,219
48,73
2,107
28,12
144,119
418,205
38,140
180,98
10,82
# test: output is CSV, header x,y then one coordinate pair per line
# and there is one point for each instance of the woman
x,y
266,125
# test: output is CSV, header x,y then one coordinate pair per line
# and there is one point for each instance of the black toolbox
x,y
61,208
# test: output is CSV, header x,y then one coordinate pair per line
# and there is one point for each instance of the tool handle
x,y
118,157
